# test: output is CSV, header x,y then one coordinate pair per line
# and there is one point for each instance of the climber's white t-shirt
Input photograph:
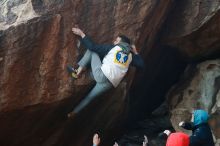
x,y
115,65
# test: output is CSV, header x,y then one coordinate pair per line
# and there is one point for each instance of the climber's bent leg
x,y
86,59
101,86
96,69
99,89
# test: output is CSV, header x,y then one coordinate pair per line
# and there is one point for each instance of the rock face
x,y
36,44
198,89
193,27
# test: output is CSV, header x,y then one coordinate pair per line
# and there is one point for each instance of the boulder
x,y
36,44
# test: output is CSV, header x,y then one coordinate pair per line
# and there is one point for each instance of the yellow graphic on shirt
x,y
121,58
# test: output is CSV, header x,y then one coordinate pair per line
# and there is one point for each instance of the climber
x,y
107,72
201,132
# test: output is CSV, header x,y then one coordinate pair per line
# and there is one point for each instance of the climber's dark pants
x,y
102,83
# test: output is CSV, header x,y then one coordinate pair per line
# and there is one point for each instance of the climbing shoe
x,y
72,71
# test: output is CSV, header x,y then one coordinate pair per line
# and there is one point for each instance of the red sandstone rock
x,y
35,47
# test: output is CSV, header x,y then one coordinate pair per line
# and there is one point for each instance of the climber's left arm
x,y
137,61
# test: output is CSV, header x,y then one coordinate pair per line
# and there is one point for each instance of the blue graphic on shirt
x,y
121,57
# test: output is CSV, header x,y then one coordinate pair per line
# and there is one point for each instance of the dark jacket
x,y
103,49
201,132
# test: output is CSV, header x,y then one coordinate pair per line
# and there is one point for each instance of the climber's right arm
x,y
102,50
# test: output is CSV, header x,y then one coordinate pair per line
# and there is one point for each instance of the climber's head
x,y
122,38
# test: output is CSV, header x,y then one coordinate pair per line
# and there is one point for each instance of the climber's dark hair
x,y
125,39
